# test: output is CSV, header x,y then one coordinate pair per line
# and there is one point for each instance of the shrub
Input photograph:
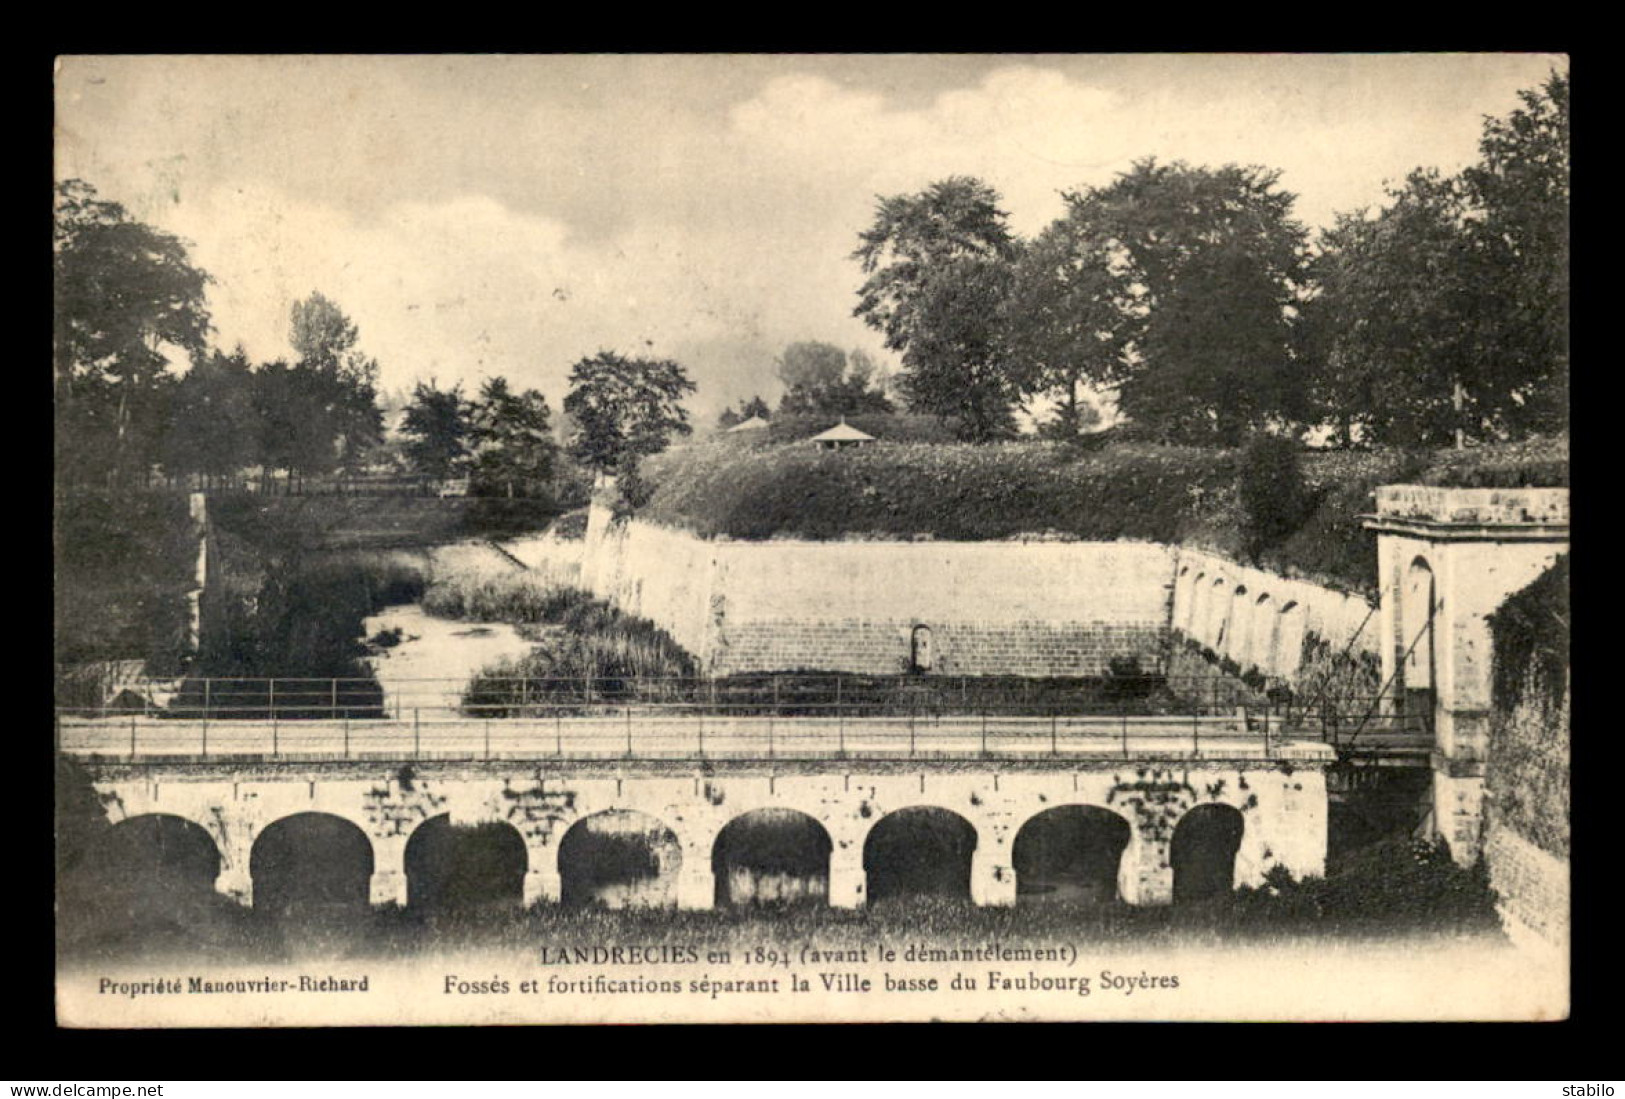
x,y
604,655
1274,499
1396,887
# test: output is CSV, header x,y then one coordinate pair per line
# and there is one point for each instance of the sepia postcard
x,y
811,538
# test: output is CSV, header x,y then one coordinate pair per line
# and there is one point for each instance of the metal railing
x,y
1377,724
625,734
776,694
764,717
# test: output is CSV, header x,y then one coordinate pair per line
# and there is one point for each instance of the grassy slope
x,y
1127,491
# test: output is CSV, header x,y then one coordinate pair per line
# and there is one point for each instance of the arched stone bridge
x,y
1266,802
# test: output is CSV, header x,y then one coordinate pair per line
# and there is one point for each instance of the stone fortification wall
x,y
976,608
1034,608
663,575
982,608
1275,625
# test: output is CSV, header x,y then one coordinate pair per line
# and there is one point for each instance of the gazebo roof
x,y
755,423
843,432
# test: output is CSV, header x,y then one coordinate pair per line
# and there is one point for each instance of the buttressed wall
x,y
1033,608
1269,623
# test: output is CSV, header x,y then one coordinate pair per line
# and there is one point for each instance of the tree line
x,y
130,303
1193,295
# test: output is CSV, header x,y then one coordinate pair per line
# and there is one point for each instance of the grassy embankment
x,y
1134,491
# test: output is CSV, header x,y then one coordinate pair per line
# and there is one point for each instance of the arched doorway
x,y
919,852
311,863
1203,852
450,867
771,857
619,858
1418,669
1069,855
920,654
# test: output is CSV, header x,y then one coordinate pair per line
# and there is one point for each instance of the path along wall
x,y
1033,608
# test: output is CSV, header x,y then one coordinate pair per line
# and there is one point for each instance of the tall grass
x,y
474,583
599,654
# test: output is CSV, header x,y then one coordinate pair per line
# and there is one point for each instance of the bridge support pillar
x,y
1147,875
696,886
1458,810
992,882
237,883
542,887
848,884
388,887
389,870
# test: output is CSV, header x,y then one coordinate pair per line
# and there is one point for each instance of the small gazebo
x,y
842,435
755,423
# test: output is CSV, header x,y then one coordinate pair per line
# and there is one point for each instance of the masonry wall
x,y
1034,608
1527,795
991,608
1275,625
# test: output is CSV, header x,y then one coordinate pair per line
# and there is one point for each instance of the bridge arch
x,y
771,856
1203,852
619,858
450,866
311,860
922,850
159,852
1070,854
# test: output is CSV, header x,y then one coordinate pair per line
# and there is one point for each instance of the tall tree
x,y
1444,315
512,441
321,333
1064,322
1214,268
325,339
298,409
819,381
624,408
956,366
438,426
212,427
1394,346
927,255
127,300
1520,190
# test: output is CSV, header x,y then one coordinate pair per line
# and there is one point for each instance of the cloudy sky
x,y
479,216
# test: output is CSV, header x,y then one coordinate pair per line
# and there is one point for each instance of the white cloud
x,y
510,215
